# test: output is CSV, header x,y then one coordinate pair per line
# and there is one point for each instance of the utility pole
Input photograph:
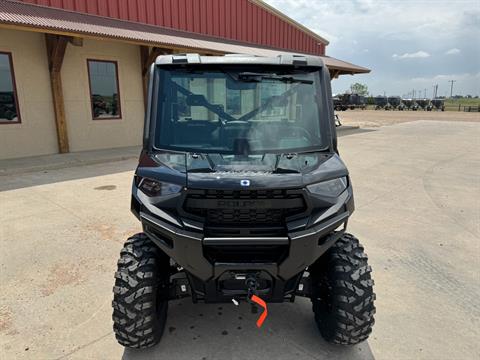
x,y
425,93
451,86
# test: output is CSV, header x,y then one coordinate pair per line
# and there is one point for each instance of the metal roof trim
x,y
279,59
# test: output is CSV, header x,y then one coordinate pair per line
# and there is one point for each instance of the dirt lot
x,y
417,194
376,118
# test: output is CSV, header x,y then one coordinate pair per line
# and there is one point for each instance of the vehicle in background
x,y
408,103
423,103
357,102
99,106
438,104
8,110
342,102
338,104
381,102
394,101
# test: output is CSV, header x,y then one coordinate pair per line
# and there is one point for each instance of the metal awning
x,y
30,17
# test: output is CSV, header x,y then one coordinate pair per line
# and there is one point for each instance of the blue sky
x,y
408,44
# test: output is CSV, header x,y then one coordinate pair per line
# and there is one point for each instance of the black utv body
x,y
241,194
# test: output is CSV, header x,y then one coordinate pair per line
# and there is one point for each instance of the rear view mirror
x,y
196,100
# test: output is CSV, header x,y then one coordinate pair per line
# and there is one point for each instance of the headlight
x,y
330,188
156,188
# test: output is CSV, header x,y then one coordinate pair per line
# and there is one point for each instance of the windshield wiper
x,y
258,77
291,156
202,169
280,170
310,151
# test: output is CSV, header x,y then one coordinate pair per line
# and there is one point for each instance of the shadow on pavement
x,y
346,130
75,172
224,331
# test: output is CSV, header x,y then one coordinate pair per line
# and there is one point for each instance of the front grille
x,y
248,216
244,212
245,194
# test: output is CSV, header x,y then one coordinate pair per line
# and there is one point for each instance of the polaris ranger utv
x,y
242,195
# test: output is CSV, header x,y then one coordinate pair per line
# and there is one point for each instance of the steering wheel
x,y
231,125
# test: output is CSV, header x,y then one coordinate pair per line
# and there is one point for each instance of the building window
x,y
9,112
104,92
183,109
269,90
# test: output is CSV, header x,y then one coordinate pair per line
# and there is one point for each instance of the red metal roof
x,y
78,24
249,21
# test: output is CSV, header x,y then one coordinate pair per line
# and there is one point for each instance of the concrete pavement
x,y
417,189
59,161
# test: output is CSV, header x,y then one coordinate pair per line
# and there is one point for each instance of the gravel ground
x,y
376,118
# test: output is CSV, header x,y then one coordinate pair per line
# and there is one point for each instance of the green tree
x,y
360,89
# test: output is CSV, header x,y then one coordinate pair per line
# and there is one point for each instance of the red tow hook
x,y
264,314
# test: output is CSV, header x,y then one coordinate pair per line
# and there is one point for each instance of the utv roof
x,y
241,59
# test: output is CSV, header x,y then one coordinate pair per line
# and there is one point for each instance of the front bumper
x,y
205,276
209,278
186,247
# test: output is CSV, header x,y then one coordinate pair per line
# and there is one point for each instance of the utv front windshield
x,y
239,111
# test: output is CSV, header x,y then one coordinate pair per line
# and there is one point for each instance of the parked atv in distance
x,y
342,102
242,197
381,102
395,102
423,104
438,104
339,104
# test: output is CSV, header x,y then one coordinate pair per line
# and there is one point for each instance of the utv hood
x,y
217,171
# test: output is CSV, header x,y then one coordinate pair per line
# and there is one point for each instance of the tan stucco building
x,y
57,64
36,134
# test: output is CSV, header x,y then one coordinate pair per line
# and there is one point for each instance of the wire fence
x,y
463,107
